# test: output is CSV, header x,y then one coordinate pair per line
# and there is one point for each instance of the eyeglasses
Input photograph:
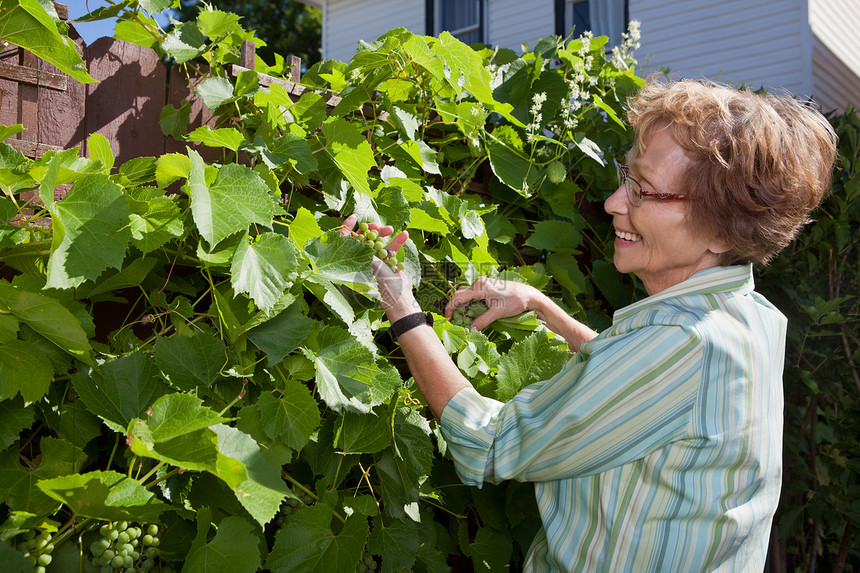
x,y
635,193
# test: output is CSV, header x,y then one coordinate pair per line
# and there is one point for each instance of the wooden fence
x,y
58,112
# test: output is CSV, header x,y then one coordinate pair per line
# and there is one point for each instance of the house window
x,y
602,17
464,19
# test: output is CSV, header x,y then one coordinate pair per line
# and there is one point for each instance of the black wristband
x,y
409,322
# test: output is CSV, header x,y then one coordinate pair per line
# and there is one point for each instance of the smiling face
x,y
655,241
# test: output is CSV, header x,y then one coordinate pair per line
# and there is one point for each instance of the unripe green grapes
x,y
116,551
464,315
372,239
37,549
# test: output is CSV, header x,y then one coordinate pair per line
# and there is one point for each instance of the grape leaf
x,y
341,259
237,199
189,362
290,149
13,560
93,218
512,169
364,434
307,543
104,495
304,228
350,152
294,416
233,549
215,91
261,268
18,482
25,369
121,389
397,543
228,137
282,334
48,317
556,236
14,417
527,362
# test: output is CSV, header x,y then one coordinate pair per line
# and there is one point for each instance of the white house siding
x,y
510,23
347,21
835,57
763,43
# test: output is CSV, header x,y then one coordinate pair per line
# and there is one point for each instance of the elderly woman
x,y
658,447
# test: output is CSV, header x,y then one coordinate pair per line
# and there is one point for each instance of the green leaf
x,y
14,417
49,318
350,151
184,43
255,480
556,236
228,137
514,170
261,268
176,415
154,222
237,199
565,269
106,495
290,149
308,543
532,360
26,23
132,275
191,362
234,549
293,417
364,434
397,543
121,389
99,149
304,228
282,334
13,560
171,167
347,375
18,482
174,121
215,91
25,369
341,259
94,217
137,31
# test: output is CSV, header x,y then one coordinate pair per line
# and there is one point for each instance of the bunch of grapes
x,y
464,315
125,547
290,505
37,549
366,565
372,239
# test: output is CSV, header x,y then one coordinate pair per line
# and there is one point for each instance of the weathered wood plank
x,y
32,148
35,77
126,103
62,113
181,89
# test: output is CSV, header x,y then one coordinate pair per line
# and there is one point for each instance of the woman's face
x,y
654,240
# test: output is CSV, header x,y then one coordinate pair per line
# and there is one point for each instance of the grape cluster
x,y
372,239
367,564
464,315
37,549
125,547
290,505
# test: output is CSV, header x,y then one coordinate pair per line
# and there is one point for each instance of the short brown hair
x,y
760,162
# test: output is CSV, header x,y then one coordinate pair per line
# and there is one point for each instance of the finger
x,y
397,242
385,230
460,298
484,319
348,224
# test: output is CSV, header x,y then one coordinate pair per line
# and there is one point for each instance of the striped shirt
x,y
658,447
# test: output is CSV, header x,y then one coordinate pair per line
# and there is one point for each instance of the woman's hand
x,y
395,290
503,298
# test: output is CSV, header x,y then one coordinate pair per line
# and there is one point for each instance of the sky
x,y
89,31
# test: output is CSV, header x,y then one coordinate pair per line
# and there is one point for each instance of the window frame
x,y
433,17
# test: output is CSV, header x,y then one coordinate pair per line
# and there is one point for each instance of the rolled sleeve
x,y
467,423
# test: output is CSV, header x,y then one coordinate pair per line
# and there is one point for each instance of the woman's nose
x,y
617,203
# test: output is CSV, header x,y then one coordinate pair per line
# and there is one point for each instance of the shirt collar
x,y
715,279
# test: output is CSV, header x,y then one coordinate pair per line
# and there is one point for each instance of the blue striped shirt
x,y
658,447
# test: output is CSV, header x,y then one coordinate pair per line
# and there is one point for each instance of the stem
x,y
293,481
113,451
236,399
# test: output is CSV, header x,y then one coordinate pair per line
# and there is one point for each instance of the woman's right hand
x,y
504,299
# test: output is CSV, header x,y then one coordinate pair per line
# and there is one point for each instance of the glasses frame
x,y
635,193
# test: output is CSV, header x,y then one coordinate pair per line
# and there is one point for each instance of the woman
x,y
658,446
